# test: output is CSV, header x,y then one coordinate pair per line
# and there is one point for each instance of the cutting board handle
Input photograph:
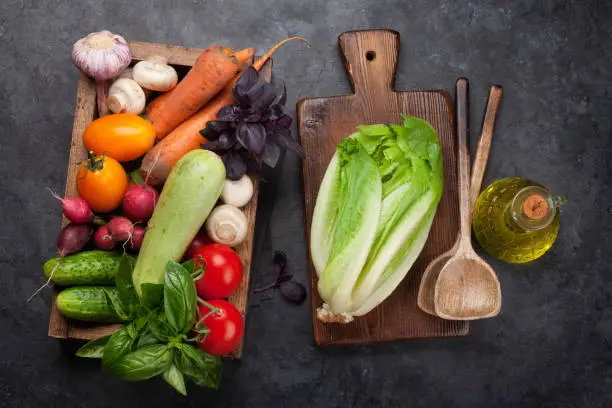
x,y
370,59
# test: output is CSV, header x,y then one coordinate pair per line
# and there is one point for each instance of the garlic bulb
x,y
102,56
155,74
126,96
227,225
239,192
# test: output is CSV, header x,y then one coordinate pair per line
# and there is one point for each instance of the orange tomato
x,y
101,181
122,136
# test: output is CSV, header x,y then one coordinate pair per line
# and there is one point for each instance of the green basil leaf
x,y
146,339
123,281
119,344
121,309
140,324
174,377
143,363
201,367
151,295
93,348
189,266
179,297
160,329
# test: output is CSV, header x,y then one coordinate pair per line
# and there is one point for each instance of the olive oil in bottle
x,y
516,220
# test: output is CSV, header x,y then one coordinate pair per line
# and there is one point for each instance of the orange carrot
x,y
157,104
158,162
213,69
245,58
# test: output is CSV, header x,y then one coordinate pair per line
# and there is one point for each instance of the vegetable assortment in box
x,y
145,192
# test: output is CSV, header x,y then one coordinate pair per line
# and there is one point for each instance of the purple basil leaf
x,y
250,115
279,262
252,136
212,146
227,139
267,96
270,154
270,125
255,93
276,111
229,113
285,277
235,167
293,291
243,85
284,121
213,129
283,139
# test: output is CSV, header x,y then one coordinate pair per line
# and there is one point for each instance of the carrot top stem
x,y
260,62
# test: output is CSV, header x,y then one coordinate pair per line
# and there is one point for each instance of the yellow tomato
x,y
122,136
101,181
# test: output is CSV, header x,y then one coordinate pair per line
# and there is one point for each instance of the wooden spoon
x,y
425,298
467,287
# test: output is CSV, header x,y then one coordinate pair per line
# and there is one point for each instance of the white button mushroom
x,y
227,225
129,73
155,74
126,96
237,192
102,56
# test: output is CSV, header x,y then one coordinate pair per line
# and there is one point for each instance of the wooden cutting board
x,y
370,58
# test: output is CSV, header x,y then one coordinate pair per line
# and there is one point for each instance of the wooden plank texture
x,y
85,113
370,59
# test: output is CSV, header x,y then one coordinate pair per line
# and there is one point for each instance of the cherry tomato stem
x,y
225,325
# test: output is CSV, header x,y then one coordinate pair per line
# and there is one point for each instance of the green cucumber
x,y
189,194
88,303
85,268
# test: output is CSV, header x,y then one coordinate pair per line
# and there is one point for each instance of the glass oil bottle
x,y
516,219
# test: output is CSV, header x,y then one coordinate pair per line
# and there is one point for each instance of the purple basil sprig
x,y
292,291
254,129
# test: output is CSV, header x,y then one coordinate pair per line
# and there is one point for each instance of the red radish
x,y
120,229
135,241
139,201
103,238
71,239
200,240
75,209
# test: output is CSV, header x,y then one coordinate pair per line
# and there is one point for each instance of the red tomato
x,y
222,271
226,328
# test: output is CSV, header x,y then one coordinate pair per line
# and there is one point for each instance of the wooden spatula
x,y
430,276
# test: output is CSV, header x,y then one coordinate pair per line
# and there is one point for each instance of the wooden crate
x,y
85,113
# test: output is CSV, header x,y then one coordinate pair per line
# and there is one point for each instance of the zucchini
x,y
88,303
85,268
189,194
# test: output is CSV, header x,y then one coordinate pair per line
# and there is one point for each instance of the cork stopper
x,y
535,207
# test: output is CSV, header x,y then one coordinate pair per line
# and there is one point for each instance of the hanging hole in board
x,y
370,55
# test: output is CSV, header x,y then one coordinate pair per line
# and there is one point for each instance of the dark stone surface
x,y
551,345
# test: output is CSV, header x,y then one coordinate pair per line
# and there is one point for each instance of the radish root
x,y
54,194
46,284
152,167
